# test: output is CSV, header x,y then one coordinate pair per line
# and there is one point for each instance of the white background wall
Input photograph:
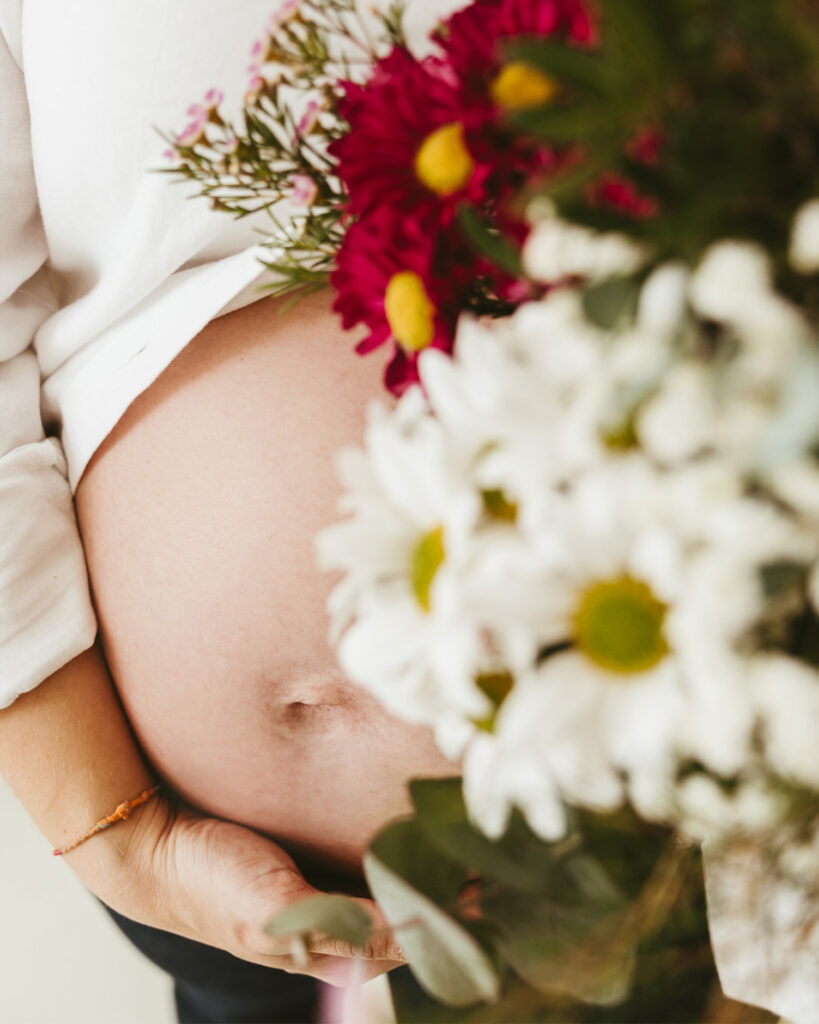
x,y
62,961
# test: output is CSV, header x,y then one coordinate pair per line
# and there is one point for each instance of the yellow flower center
x,y
410,313
426,560
619,626
443,162
519,85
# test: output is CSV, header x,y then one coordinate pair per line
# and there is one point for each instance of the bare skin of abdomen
x,y
198,515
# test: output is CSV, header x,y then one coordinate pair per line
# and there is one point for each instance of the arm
x,y
65,745
68,753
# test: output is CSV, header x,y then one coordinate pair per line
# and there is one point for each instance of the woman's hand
x,y
67,751
220,883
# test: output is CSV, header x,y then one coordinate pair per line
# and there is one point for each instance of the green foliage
x,y
731,86
335,915
489,242
414,885
579,928
612,303
516,860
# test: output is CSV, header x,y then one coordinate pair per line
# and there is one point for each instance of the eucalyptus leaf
x,y
411,880
335,915
611,303
558,953
519,859
571,940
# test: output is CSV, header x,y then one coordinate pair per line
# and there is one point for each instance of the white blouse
x,y
107,270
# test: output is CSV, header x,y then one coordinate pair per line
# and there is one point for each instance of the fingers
x,y
346,973
224,884
382,944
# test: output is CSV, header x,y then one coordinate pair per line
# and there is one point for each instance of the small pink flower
x,y
287,10
304,191
258,49
194,131
170,154
213,97
196,110
254,88
307,121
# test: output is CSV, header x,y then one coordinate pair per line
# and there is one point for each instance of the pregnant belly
x,y
198,515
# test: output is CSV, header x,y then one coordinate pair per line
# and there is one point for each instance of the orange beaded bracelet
x,y
122,813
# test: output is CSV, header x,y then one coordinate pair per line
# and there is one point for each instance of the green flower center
x,y
619,624
426,560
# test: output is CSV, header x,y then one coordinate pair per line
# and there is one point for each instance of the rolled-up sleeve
x,y
46,616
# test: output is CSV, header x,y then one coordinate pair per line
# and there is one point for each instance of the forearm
x,y
67,751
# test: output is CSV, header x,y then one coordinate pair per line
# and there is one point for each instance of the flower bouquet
x,y
582,542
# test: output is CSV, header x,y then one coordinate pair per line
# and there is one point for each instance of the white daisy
x,y
410,519
804,248
435,586
786,697
733,285
556,249
518,399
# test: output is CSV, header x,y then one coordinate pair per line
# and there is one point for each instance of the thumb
x,y
381,945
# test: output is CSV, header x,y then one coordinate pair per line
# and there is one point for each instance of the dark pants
x,y
214,987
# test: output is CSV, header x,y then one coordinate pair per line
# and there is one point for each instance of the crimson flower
x,y
619,194
393,276
474,41
409,143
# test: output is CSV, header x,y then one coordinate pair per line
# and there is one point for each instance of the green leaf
x,y
611,303
411,880
634,37
559,948
628,846
497,249
568,940
784,578
567,64
519,859
338,916
579,937
592,124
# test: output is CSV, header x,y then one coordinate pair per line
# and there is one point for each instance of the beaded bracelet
x,y
122,813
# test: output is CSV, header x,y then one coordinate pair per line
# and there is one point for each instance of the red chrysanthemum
x,y
392,276
620,194
474,39
409,146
